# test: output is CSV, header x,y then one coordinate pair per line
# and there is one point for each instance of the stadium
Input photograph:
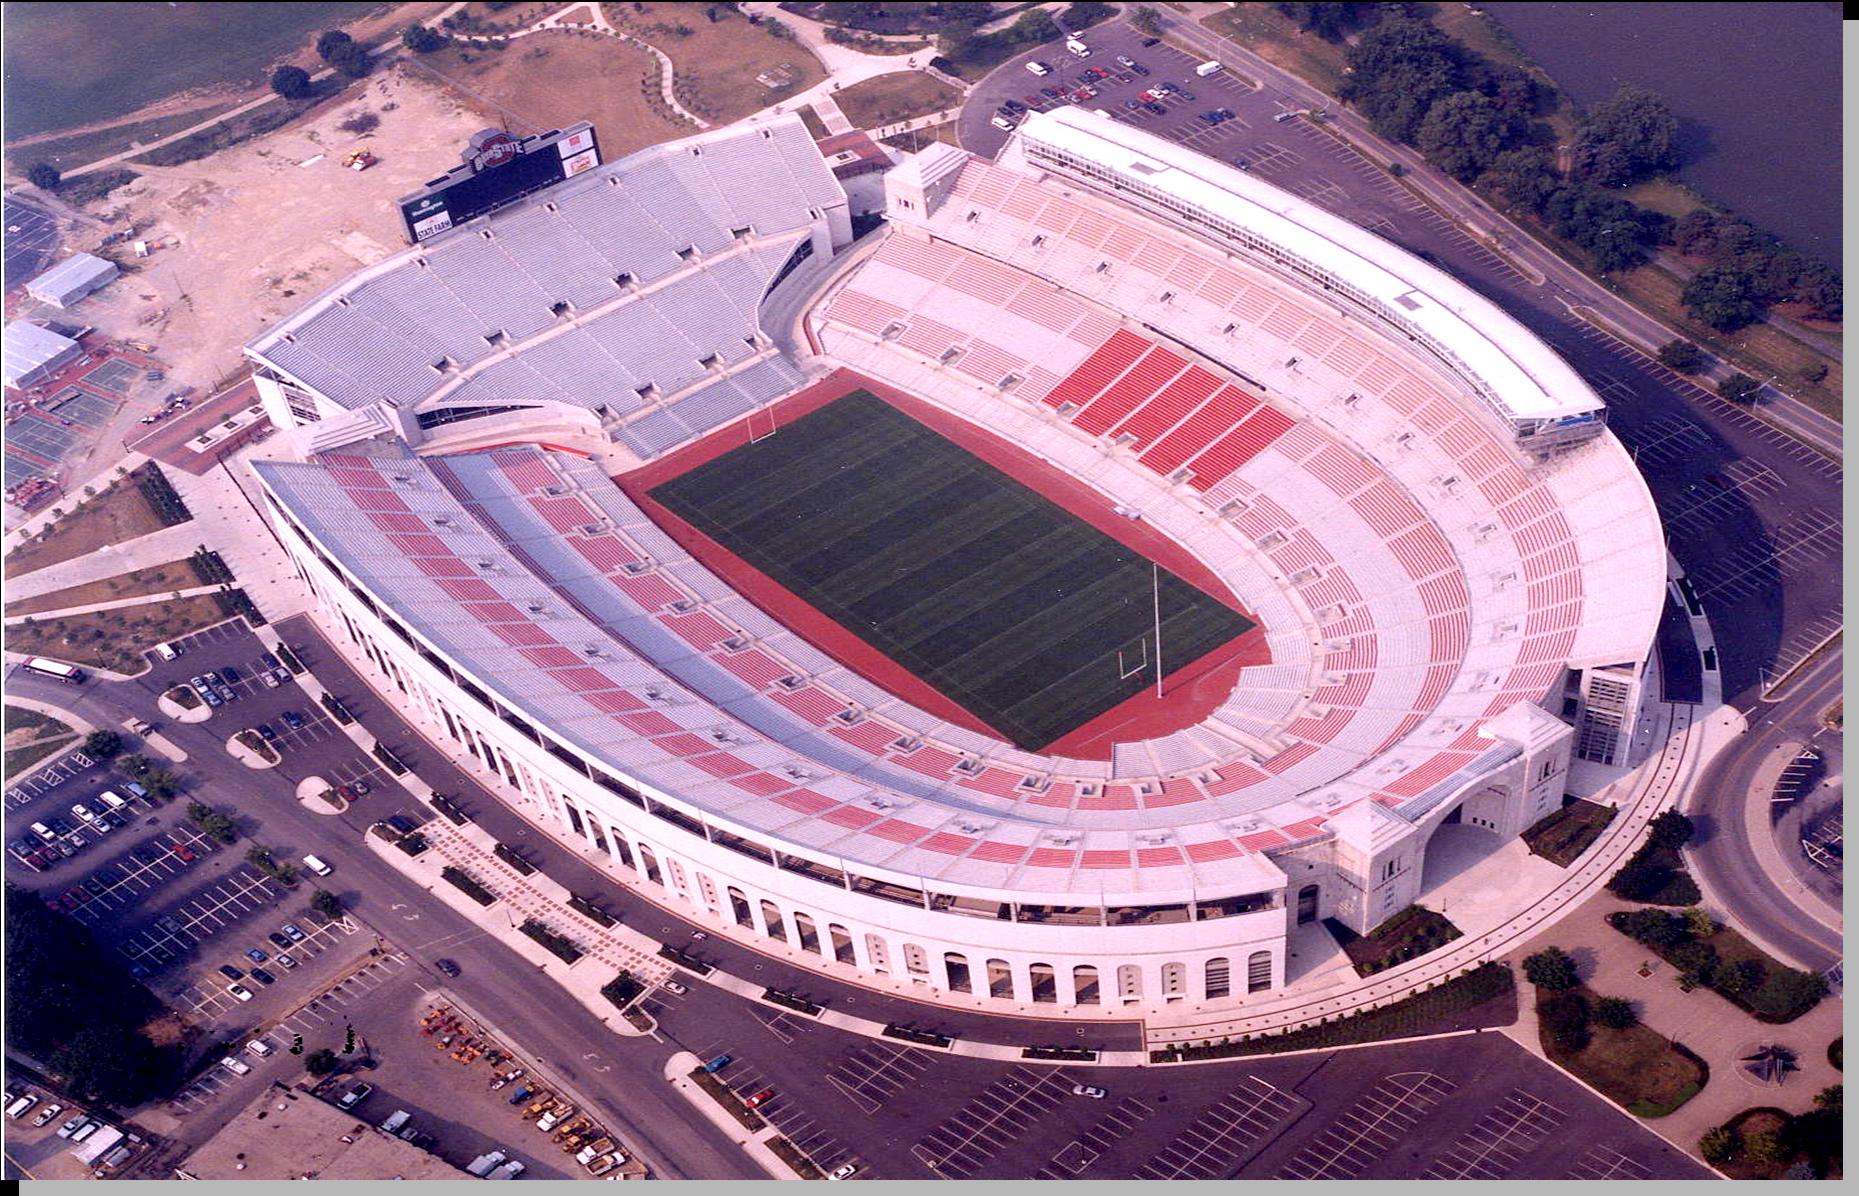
x,y
1062,596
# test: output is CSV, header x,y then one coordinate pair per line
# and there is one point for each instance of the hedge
x,y
920,1037
1072,1054
793,1001
514,860
685,960
470,887
592,912
555,944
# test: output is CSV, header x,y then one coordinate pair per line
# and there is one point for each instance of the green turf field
x,y
999,598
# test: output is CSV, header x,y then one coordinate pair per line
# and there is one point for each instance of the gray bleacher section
x,y
711,407
381,338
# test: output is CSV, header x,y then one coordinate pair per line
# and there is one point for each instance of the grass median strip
x,y
720,1093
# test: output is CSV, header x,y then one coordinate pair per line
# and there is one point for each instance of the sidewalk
x,y
114,604
1707,1024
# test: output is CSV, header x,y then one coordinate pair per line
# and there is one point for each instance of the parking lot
x,y
1002,1112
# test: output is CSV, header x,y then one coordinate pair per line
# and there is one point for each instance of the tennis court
x,y
83,408
114,375
36,444
1013,608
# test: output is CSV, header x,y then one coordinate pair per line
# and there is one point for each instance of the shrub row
x,y
685,960
516,861
920,1037
589,910
555,944
1071,1053
793,1001
464,882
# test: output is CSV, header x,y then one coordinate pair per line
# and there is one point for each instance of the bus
x,y
55,668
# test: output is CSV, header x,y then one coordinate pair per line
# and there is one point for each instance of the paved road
x,y
1723,855
643,1108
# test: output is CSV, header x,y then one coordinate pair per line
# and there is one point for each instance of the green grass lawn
x,y
999,598
1561,837
1636,1068
887,99
1409,934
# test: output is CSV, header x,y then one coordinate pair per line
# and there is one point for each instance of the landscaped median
x,y
1599,1040
1563,836
183,705
250,749
1482,998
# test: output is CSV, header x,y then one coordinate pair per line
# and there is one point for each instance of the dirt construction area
x,y
259,229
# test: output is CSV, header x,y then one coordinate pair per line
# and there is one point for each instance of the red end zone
x,y
1190,693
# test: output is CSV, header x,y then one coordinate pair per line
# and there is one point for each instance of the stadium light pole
x,y
1155,590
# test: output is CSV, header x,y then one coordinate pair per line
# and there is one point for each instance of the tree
x,y
320,1062
422,39
1331,22
43,175
1696,962
1819,287
1653,927
1085,14
1681,355
103,745
1616,1013
1830,1099
1763,1146
1670,829
1696,232
326,903
1526,176
291,82
1145,20
330,43
1551,968
1564,1018
110,1064
1630,136
211,822
1698,923
1717,1144
1398,71
1463,134
351,61
1742,978
1035,25
1618,234
1739,388
1787,993
1723,297
956,40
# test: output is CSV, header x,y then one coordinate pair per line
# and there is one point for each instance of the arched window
x,y
1258,971
1000,979
650,861
1219,976
809,936
739,905
957,965
771,918
1045,983
842,943
1084,984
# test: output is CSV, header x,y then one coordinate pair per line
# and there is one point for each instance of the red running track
x,y
1190,692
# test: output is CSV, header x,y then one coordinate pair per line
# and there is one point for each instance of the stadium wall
x,y
1044,967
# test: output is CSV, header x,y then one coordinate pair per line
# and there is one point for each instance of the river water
x,y
1756,87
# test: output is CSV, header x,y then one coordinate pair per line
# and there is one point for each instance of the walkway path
x,y
156,548
113,604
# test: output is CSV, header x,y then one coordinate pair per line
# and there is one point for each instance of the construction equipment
x,y
360,159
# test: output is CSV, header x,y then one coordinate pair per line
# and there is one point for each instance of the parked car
x,y
230,972
263,977
1089,1090
292,719
1139,68
446,967
226,693
255,955
360,788
672,986
213,678
291,932
47,1114
1125,60
844,1171
286,962
761,1098
279,941
83,812
355,1096
70,1127
231,674
184,852
266,733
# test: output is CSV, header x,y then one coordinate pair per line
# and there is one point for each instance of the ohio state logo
x,y
491,148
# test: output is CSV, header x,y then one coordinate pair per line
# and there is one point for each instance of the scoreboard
x,y
498,170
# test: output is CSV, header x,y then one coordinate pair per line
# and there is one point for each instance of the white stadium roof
x,y
1525,375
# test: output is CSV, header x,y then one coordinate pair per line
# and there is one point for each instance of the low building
x,y
286,1134
72,279
33,353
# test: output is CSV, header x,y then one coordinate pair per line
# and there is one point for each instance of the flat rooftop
x,y
286,1134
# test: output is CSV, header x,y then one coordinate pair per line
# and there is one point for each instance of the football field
x,y
1003,601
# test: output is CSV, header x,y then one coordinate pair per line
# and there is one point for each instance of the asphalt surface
x,y
629,1086
1722,854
